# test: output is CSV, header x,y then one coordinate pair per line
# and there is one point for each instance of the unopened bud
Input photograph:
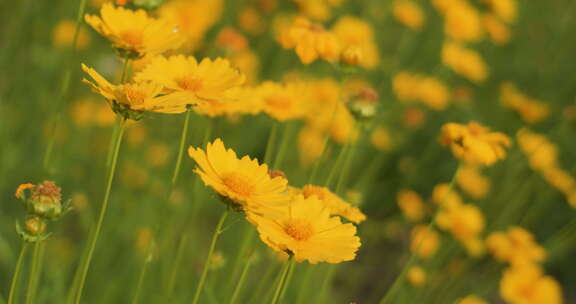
x,y
35,226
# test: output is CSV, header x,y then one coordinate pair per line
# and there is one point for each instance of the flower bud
x,y
35,226
46,200
364,105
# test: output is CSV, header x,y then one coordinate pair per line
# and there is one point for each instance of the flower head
x,y
474,143
42,200
515,246
247,184
310,41
334,204
131,99
526,284
134,33
305,230
409,14
465,62
283,101
204,81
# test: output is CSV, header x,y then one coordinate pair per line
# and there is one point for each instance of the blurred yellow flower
x,y
243,181
310,145
305,230
445,196
317,9
465,62
63,35
465,221
411,205
334,204
245,103
471,299
138,97
499,33
416,276
408,13
204,81
474,143
134,33
248,62
505,9
352,31
251,21
424,241
283,101
192,18
526,284
542,154
381,139
430,91
471,180
462,22
515,246
310,41
530,110
158,154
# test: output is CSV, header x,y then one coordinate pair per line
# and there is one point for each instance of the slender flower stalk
x,y
16,276
181,148
413,257
282,149
176,267
34,272
241,280
240,263
341,156
271,141
206,266
94,238
283,281
141,277
65,85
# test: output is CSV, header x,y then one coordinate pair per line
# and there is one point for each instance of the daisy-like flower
x,y
245,183
515,246
335,205
474,143
527,284
132,99
207,80
134,33
310,41
306,231
283,101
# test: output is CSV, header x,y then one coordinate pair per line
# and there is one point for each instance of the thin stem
x,y
247,239
346,167
326,282
215,237
288,279
65,85
286,136
413,256
124,74
141,277
270,144
336,165
240,283
304,283
94,238
34,273
282,282
182,146
16,275
175,267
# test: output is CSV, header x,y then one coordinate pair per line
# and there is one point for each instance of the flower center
x,y
132,38
279,102
134,95
300,230
189,83
238,184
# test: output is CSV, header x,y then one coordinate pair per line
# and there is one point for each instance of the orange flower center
x,y
189,83
238,184
279,102
300,230
132,38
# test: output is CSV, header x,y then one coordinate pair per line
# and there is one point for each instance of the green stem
x,y
240,283
16,275
304,283
270,144
326,282
247,239
176,267
336,166
215,237
182,146
288,130
94,238
124,74
65,86
141,277
387,297
34,273
288,279
283,281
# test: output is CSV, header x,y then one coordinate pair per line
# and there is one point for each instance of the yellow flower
x,y
283,101
465,62
139,97
381,139
316,9
542,154
529,109
207,80
310,41
408,13
445,196
243,181
352,31
471,180
465,222
245,103
516,246
498,31
428,90
334,204
416,276
424,242
474,143
560,179
526,284
310,145
305,230
133,32
504,9
411,205
63,35
471,299
192,18
462,23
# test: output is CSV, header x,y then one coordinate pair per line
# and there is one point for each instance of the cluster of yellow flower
x,y
530,110
292,221
543,157
430,91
